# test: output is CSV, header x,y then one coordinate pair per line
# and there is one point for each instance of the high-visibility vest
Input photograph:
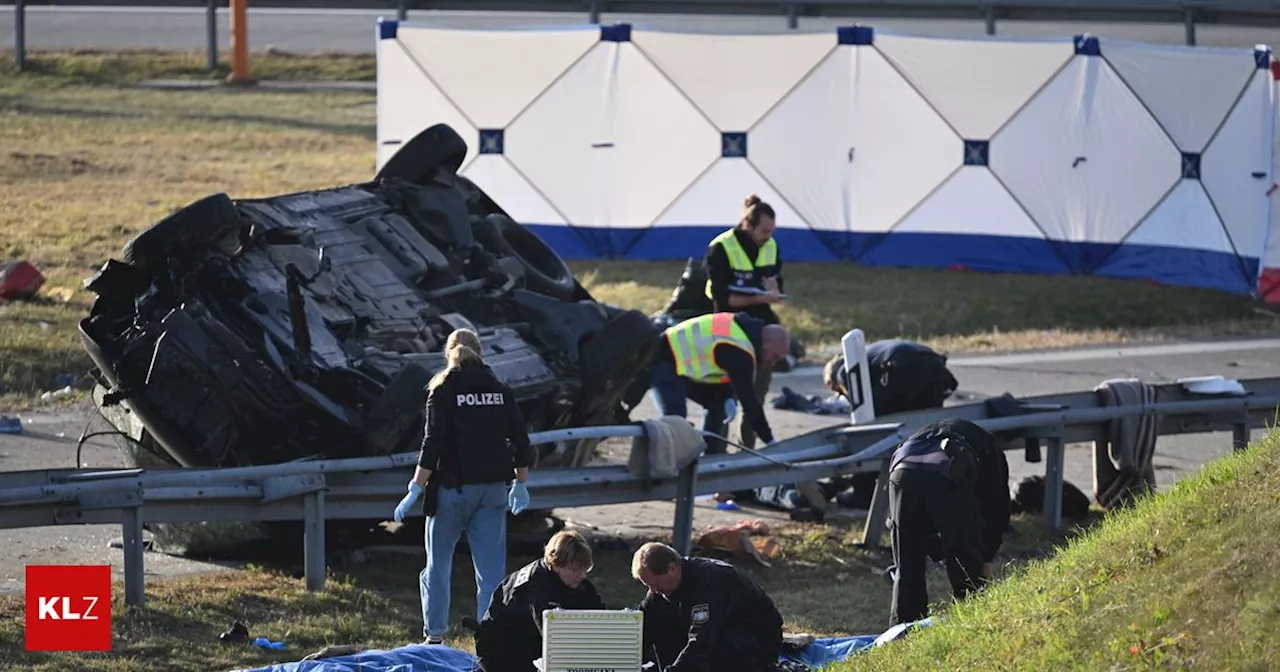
x,y
738,259
693,344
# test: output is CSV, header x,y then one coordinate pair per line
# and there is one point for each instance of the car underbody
x,y
307,325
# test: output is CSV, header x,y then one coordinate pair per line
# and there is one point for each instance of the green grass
x,y
375,603
88,159
1189,579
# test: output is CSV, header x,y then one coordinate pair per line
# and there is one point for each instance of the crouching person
x,y
509,638
703,614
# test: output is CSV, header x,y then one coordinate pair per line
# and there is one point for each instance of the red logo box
x,y
68,608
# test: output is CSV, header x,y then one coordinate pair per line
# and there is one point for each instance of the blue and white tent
x,y
1076,155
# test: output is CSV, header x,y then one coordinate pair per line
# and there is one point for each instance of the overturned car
x,y
307,325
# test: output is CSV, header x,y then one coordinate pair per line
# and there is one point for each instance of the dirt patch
x,y
26,166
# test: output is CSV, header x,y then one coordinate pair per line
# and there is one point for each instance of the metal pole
x,y
593,12
682,529
1053,473
134,591
402,10
20,33
1189,21
873,530
1240,436
313,540
991,20
239,43
211,31
793,17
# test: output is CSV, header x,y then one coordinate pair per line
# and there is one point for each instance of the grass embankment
x,y
375,603
89,160
1187,580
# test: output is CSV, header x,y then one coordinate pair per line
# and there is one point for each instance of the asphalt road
x,y
49,441
311,30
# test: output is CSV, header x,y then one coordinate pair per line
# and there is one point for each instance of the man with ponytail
x,y
475,444
744,275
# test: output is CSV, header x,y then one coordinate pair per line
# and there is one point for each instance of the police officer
x,y
509,638
949,501
744,274
712,358
703,614
475,443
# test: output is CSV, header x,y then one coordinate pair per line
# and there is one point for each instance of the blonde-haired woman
x,y
475,444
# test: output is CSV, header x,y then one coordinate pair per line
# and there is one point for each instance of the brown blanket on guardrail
x,y
1124,465
670,444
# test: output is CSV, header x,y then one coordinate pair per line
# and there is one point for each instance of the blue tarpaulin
x,y
438,658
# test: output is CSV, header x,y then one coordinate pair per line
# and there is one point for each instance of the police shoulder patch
x,y
701,613
525,574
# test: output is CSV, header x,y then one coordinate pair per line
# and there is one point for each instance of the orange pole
x,y
239,43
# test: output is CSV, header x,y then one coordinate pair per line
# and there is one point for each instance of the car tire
x,y
397,412
545,272
191,228
612,358
437,146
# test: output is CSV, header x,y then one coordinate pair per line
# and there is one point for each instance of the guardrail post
x,y
20,33
1053,470
989,14
1240,435
211,33
134,590
1189,21
402,10
793,16
313,539
873,532
682,529
593,11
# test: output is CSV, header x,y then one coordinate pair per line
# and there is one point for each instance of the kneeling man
x,y
703,614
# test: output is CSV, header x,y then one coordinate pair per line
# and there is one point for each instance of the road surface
x,y
313,30
49,441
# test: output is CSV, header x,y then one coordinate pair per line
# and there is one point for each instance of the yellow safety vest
x,y
738,259
693,343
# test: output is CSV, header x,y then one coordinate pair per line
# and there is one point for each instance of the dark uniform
x,y
510,636
948,500
711,359
734,260
475,431
475,440
718,620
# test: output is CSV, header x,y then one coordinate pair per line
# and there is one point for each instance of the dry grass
x,y
87,160
375,604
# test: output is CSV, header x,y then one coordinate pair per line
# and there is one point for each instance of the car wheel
x,y
437,146
617,354
397,411
191,228
545,272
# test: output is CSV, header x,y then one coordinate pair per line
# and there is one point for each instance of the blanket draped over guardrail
x,y
1123,463
670,444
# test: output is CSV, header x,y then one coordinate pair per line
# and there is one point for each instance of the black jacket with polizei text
x,y
475,433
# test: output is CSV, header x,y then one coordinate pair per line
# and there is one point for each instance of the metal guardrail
x,y
367,488
1190,13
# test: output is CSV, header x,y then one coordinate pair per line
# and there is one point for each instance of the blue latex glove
x,y
730,410
402,509
518,498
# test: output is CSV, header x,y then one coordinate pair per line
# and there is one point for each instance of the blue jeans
x,y
672,392
480,510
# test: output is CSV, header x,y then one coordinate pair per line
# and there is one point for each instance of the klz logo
x,y
68,608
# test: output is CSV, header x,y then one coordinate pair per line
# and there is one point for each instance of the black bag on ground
x,y
907,376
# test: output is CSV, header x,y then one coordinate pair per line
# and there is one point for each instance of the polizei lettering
x,y
591,669
482,399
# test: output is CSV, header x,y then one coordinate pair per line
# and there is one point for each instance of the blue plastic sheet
x,y
438,658
412,658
